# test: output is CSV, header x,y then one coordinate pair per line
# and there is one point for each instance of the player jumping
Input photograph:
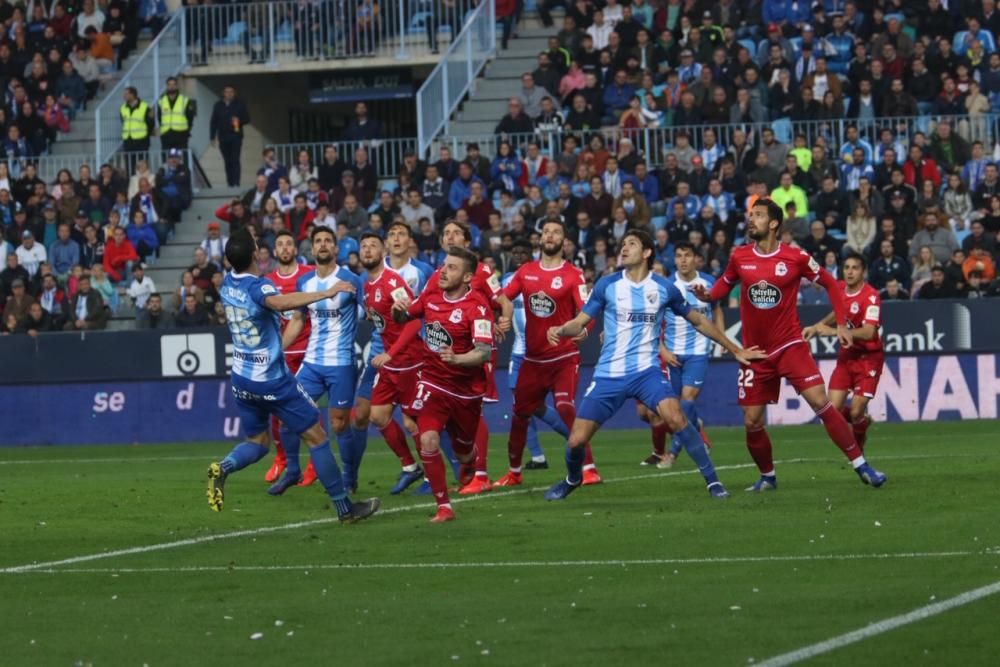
x,y
459,343
769,273
634,302
262,383
859,366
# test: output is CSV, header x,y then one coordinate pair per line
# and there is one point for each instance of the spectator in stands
x,y
119,253
860,229
948,150
30,254
152,14
86,310
11,272
142,236
229,117
70,90
149,202
153,316
63,254
940,239
937,287
300,218
203,269
820,242
214,244
352,215
53,299
140,289
96,207
365,175
173,183
36,321
414,209
192,314
188,287
888,267
477,206
362,127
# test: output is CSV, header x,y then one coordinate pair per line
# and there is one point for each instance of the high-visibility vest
x,y
134,121
173,119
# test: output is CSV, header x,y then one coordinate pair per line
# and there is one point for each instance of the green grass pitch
x,y
644,570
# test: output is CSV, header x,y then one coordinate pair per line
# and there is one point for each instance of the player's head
x,y
854,269
457,269
455,235
324,245
398,237
684,253
285,249
371,250
553,234
520,253
241,248
765,219
637,249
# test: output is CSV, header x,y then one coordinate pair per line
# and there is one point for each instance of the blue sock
x,y
675,446
449,454
533,445
574,464
689,410
290,442
695,447
328,472
243,454
345,442
360,436
555,422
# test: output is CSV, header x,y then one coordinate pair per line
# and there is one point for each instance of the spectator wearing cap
x,y
30,254
19,301
173,183
363,127
64,253
214,243
11,272
140,289
689,70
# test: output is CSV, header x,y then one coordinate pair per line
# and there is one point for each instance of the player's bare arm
x,y
829,283
292,329
296,300
706,327
399,308
822,328
668,357
477,356
506,316
571,329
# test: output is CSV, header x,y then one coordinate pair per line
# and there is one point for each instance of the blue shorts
x,y
605,396
694,368
285,399
337,382
367,383
515,366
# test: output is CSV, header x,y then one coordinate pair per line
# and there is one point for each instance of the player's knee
x,y
858,410
753,422
429,442
338,424
360,422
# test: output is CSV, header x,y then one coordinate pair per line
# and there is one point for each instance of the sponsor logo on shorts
x,y
764,295
812,377
541,304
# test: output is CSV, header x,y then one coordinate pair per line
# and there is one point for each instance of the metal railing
x,y
456,74
304,30
386,155
164,57
47,167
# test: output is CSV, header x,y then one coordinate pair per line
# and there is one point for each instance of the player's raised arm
x,y
477,356
293,329
708,328
823,277
721,287
822,328
571,329
296,300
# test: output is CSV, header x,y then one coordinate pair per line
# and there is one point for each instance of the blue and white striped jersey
x,y
334,322
415,273
255,328
633,320
518,322
679,335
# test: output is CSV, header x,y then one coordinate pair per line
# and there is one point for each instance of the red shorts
x,y
294,361
760,383
393,387
438,410
858,373
536,379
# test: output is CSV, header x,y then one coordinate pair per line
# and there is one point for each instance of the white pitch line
x,y
711,560
881,627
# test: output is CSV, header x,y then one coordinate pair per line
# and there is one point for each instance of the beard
x,y
369,265
756,235
552,250
324,259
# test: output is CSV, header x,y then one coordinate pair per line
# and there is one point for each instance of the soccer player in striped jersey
x,y
329,365
521,254
685,351
634,302
262,384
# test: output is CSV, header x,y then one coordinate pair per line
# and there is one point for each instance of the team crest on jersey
x,y
780,269
378,295
456,316
764,295
651,297
557,282
541,304
438,337
412,282
855,308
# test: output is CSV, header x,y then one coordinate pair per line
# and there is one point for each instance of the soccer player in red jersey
x,y
484,282
399,365
859,366
458,340
284,277
769,273
553,291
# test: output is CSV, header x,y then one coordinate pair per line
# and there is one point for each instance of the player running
x,y
262,383
634,302
459,343
328,367
685,351
553,291
769,273
285,276
859,366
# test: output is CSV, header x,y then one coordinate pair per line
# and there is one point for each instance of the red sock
x,y
482,446
860,428
846,411
434,472
839,431
759,445
395,437
279,456
568,414
659,438
518,441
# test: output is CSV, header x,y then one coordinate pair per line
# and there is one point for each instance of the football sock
x,y
860,428
659,435
690,438
395,437
345,442
360,446
243,454
328,472
574,465
759,445
520,432
449,452
292,443
482,447
434,471
554,419
534,446
568,413
840,432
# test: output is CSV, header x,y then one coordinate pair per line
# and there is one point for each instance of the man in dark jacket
x,y
86,310
515,121
226,128
173,183
192,314
361,127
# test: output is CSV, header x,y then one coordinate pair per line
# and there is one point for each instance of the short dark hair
x,y
858,257
320,229
684,245
240,249
466,230
647,242
285,232
371,235
467,256
774,211
402,225
555,221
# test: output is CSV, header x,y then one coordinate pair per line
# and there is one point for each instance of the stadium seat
x,y
235,33
961,236
418,23
782,130
659,222
749,46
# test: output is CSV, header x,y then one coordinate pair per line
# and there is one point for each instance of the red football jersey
x,y
552,297
458,324
769,290
863,307
484,282
379,297
286,285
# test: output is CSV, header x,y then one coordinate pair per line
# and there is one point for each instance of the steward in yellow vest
x,y
176,114
138,125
